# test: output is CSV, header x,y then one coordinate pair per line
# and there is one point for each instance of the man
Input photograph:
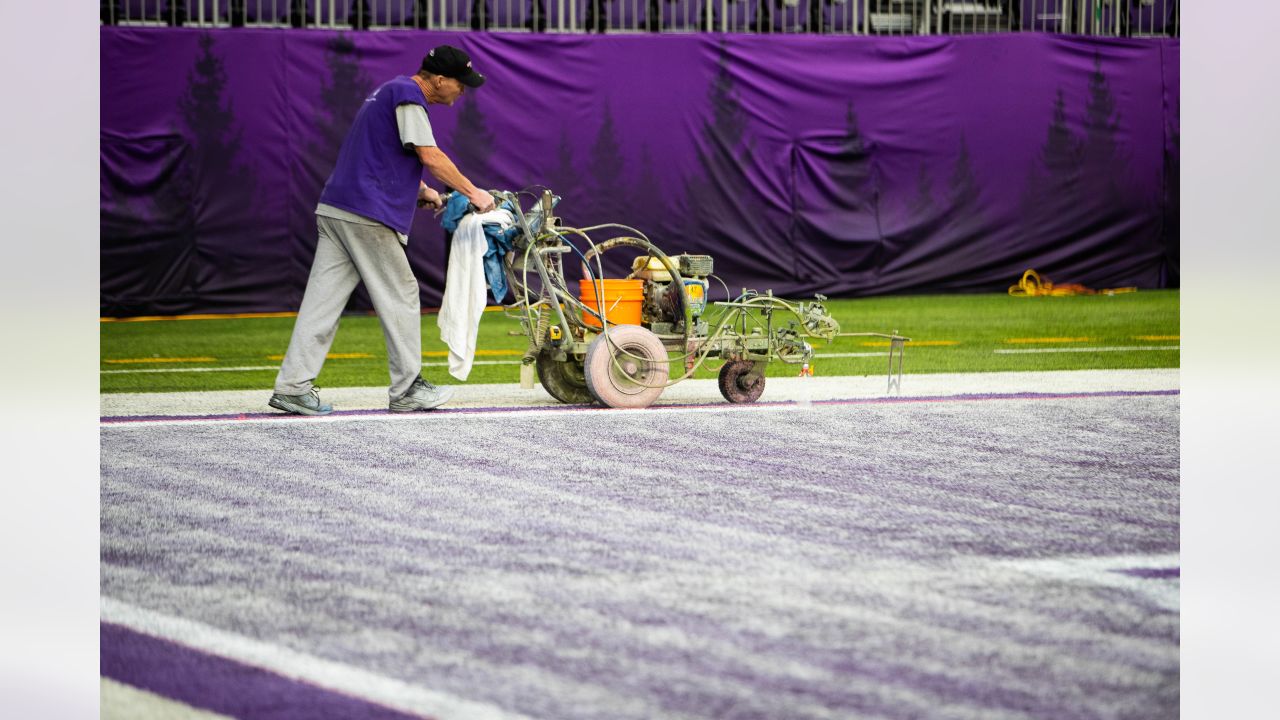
x,y
363,219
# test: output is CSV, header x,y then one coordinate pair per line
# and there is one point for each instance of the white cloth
x,y
465,289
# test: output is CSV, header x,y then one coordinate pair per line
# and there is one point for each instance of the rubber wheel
x,y
631,382
563,379
733,384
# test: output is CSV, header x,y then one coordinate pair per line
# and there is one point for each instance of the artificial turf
x,y
950,333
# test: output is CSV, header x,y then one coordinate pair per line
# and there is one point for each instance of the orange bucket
x,y
623,300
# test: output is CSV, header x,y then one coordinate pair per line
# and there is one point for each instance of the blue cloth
x,y
374,175
500,241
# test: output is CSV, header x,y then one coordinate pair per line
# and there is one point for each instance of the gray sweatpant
x,y
346,254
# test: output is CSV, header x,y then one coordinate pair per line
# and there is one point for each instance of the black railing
x,y
1122,18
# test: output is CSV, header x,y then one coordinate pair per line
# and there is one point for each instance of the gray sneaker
x,y
422,395
308,404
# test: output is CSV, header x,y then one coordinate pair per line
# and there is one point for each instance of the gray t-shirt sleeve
x,y
415,128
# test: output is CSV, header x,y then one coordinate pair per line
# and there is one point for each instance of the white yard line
x,y
1115,348
190,369
246,368
347,679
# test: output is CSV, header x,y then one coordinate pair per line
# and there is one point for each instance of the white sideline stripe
x,y
793,405
558,411
274,367
328,674
190,369
1088,349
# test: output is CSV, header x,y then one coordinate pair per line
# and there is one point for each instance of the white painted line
x,y
190,369
557,410
248,368
337,676
1088,349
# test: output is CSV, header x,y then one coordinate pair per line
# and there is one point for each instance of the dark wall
x,y
842,165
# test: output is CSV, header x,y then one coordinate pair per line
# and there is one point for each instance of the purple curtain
x,y
846,166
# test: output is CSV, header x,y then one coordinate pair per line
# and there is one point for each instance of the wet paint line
x,y
357,415
1130,348
241,676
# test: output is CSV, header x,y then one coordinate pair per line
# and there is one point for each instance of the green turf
x,y
978,324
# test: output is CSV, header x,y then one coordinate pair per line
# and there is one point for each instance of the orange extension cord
x,y
1032,285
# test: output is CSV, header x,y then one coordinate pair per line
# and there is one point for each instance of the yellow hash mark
x,y
917,343
1023,341
228,316
445,353
332,356
123,361
1157,337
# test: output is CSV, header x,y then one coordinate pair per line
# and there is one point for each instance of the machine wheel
x,y
563,379
734,385
631,382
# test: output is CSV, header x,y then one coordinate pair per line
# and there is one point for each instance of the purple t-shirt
x,y
375,175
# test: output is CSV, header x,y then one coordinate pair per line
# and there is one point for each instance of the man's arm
x,y
443,169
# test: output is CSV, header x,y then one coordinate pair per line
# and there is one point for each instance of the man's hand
x,y
482,200
428,197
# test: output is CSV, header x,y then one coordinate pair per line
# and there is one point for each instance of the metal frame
x,y
1130,18
743,330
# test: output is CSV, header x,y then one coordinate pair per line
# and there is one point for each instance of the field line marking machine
x,y
615,341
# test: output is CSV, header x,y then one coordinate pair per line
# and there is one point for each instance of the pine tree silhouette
x,y
341,96
1049,202
215,138
729,122
1171,225
1060,154
837,234
852,171
964,194
224,195
472,142
606,172
1101,160
147,231
342,93
729,210
922,206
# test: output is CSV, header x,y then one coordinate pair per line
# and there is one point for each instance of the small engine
x,y
663,300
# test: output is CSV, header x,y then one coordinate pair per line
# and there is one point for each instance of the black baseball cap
x,y
451,62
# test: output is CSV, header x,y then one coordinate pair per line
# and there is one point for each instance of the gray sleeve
x,y
415,128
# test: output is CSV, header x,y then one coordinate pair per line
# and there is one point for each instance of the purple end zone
x,y
221,685
968,397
